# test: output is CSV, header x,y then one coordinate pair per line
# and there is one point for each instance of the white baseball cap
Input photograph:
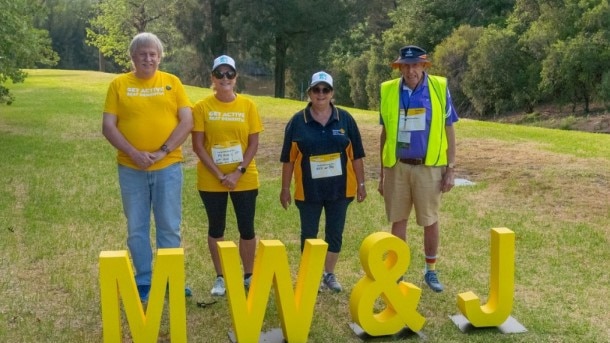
x,y
224,59
321,77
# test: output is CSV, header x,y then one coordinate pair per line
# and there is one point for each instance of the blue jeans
x,y
141,191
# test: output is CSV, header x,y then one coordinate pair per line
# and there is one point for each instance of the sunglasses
x,y
318,90
219,75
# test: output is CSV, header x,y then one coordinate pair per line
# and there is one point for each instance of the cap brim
x,y
400,61
318,82
224,64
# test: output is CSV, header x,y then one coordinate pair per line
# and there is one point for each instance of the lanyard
x,y
405,106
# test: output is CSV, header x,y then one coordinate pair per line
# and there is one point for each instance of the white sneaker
x,y
219,287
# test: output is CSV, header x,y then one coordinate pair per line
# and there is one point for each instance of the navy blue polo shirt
x,y
306,140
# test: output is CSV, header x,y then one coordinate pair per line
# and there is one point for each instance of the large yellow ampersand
x,y
384,258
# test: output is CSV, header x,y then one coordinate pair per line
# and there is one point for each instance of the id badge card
x,y
404,136
227,153
415,119
325,165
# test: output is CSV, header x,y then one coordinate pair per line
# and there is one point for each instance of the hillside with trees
x,y
500,56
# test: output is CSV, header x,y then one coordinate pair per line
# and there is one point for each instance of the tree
x,y
291,33
66,22
425,23
497,72
202,24
379,70
570,39
450,59
22,45
116,22
573,71
349,54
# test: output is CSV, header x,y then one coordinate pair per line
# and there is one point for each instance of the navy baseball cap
x,y
411,54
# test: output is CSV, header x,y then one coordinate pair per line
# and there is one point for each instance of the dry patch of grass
x,y
564,187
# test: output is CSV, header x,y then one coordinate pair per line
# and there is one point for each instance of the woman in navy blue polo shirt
x,y
323,149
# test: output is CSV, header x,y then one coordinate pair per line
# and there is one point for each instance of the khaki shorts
x,y
406,186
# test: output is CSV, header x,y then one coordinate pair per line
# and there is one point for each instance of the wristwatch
x,y
241,169
165,149
451,165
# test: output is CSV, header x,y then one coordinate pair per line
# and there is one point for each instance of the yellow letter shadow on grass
x,y
116,277
385,258
271,266
502,284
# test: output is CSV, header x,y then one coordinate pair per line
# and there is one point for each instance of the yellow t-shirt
x,y
226,127
147,113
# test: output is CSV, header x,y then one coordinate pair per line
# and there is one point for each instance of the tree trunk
x,y
219,42
587,105
280,67
100,61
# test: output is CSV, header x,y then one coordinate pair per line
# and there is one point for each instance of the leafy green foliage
x,y
117,21
21,44
451,60
294,34
574,65
497,73
201,24
531,51
109,31
570,72
357,70
66,22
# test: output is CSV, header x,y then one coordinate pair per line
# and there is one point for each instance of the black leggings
x,y
244,204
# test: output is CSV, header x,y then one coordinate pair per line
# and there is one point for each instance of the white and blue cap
x,y
320,77
224,59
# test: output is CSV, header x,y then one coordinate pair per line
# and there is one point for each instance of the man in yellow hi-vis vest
x,y
417,150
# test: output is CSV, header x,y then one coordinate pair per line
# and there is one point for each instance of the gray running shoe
x,y
219,287
330,281
247,282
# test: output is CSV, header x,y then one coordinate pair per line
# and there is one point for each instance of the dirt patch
x,y
554,117
516,174
525,174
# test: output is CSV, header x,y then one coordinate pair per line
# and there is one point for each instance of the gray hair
x,y
145,39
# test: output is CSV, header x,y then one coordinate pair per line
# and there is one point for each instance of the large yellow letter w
x,y
271,266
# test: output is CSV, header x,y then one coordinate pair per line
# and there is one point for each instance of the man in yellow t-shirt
x,y
147,116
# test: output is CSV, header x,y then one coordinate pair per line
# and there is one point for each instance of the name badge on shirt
x,y
415,120
227,153
404,136
325,165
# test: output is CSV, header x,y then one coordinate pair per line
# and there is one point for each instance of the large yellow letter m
x,y
116,280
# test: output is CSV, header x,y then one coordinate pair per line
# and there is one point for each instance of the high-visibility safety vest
x,y
436,153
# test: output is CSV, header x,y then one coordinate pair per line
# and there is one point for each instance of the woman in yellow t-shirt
x,y
225,138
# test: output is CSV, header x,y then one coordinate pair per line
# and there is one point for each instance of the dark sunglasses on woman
x,y
230,74
318,90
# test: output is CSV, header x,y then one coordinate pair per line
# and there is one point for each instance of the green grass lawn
x,y
60,207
